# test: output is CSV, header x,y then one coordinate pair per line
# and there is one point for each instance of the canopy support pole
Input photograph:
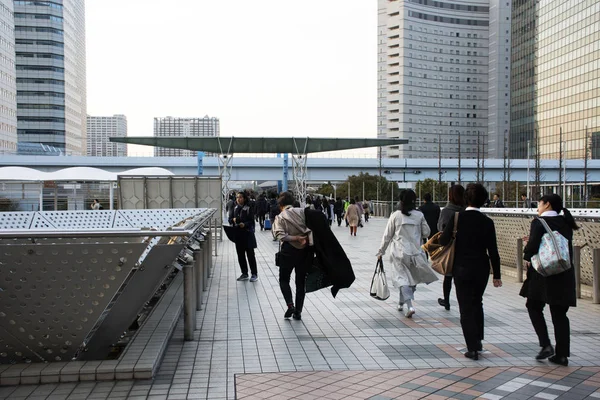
x,y
225,166
299,158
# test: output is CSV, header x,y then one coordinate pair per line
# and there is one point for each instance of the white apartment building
x,y
51,74
100,129
433,77
8,81
171,126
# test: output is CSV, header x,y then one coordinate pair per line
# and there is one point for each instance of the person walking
x,y
497,201
558,291
261,210
96,205
405,231
352,217
456,203
245,241
366,209
338,208
475,248
346,205
525,202
296,252
361,211
431,211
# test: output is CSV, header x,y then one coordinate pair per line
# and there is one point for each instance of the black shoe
x,y
443,303
289,312
243,277
473,355
297,315
560,360
479,346
545,352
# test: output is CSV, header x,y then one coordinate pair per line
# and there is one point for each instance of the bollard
x,y
520,260
207,255
199,266
596,277
577,269
189,303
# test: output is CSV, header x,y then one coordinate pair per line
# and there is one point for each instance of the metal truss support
x,y
225,165
299,158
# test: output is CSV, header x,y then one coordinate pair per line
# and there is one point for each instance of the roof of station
x,y
75,174
230,145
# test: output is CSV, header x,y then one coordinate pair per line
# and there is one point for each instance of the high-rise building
x,y
170,126
555,75
8,84
51,80
100,129
433,77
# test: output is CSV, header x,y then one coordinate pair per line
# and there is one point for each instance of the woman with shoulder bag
x,y
405,231
558,291
242,218
475,248
295,254
456,203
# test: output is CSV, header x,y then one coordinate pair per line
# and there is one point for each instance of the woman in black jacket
x,y
245,241
456,203
475,248
558,291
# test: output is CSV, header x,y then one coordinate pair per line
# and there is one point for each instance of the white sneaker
x,y
400,307
410,312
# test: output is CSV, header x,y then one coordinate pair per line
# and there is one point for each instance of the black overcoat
x,y
329,252
244,236
557,289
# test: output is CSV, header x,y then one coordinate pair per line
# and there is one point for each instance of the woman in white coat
x,y
405,231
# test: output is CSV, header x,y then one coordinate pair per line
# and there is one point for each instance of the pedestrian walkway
x,y
351,347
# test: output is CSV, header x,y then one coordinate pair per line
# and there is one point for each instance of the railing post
x,y
577,268
207,257
189,302
215,235
520,260
596,277
199,265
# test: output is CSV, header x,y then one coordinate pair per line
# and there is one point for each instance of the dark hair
x,y
476,195
556,203
456,195
524,195
352,201
244,195
427,197
407,200
285,199
96,200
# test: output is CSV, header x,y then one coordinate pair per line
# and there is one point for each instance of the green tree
x,y
437,190
372,183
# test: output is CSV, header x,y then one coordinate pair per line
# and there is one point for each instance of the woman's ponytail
x,y
569,219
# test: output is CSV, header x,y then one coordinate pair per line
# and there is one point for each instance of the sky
x,y
263,67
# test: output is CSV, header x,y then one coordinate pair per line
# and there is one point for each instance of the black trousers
x,y
469,293
242,250
447,288
292,258
261,220
559,320
339,218
366,217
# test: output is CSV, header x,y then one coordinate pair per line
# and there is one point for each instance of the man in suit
x,y
431,211
497,201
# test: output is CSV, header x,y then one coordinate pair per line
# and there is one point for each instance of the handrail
x,y
27,233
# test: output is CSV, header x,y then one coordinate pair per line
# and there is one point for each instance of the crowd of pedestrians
x,y
460,223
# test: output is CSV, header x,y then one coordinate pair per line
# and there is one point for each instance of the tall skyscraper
x,y
8,84
433,77
170,126
51,81
555,78
100,129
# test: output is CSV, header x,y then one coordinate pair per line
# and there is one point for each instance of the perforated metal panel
x,y
16,220
92,219
509,227
184,193
52,295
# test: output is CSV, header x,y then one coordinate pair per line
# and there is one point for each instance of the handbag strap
x,y
455,225
549,231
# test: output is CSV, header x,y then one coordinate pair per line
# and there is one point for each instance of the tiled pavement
x,y
351,347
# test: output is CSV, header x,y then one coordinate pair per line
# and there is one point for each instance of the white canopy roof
x,y
74,174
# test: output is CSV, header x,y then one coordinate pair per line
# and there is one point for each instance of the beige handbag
x,y
442,257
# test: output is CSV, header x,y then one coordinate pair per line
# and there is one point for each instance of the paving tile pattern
x,y
243,342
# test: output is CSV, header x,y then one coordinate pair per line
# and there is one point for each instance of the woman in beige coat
x,y
353,216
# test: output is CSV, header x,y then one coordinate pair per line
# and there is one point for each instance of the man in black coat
x,y
431,211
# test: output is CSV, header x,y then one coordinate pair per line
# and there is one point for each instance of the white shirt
x,y
550,213
472,209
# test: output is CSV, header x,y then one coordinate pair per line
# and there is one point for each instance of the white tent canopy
x,y
74,174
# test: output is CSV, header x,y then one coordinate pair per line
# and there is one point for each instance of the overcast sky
x,y
263,67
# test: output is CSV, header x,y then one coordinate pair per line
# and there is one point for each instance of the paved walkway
x,y
351,347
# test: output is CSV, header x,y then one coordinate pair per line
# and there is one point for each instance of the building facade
x,y
8,81
557,73
433,77
100,129
51,74
171,126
